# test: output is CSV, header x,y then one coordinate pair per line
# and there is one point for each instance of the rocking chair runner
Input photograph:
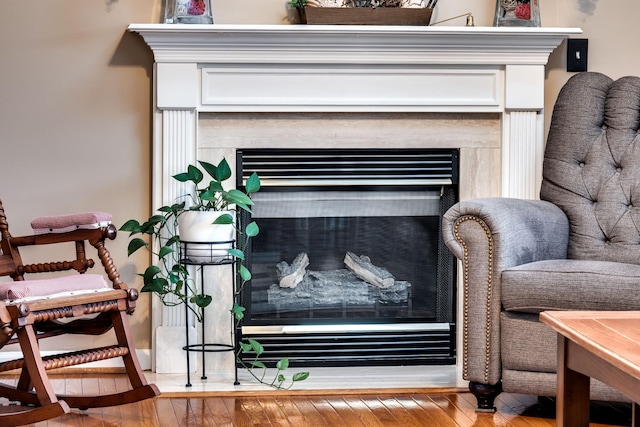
x,y
31,310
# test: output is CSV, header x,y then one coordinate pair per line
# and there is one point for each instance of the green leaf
x,y
253,183
176,208
195,174
135,244
223,171
225,219
258,364
237,197
150,273
208,168
256,346
300,376
245,274
182,177
238,311
172,241
149,224
202,300
164,251
246,347
236,253
281,378
252,229
154,285
282,364
132,226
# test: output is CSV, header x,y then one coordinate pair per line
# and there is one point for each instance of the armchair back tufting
x,y
592,166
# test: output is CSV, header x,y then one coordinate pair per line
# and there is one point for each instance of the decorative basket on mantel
x,y
365,12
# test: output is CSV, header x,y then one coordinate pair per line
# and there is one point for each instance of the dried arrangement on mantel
x,y
364,12
367,3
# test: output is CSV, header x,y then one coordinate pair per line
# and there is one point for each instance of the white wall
x,y
75,99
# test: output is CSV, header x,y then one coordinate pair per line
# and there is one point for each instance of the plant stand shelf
x,y
210,258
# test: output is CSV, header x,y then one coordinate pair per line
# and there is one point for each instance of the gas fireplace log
x,y
291,275
365,270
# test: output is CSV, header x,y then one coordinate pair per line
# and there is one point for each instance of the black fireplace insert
x,y
349,267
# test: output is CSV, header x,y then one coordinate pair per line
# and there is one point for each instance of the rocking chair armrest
x,y
90,235
95,237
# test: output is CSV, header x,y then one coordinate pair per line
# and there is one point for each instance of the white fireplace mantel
x,y
325,68
351,44
311,69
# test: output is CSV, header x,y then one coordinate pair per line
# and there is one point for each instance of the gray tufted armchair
x,y
578,248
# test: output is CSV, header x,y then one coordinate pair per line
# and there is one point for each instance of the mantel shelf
x,y
355,43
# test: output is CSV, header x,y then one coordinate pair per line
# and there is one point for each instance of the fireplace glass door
x,y
391,233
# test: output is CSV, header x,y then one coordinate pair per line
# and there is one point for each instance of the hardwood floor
x,y
428,407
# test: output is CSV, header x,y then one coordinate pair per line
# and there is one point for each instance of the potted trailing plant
x,y
169,278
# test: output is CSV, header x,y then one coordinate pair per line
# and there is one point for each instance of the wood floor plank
x,y
312,414
199,413
405,410
421,410
219,412
328,412
446,405
111,415
465,403
254,410
275,412
414,409
346,413
379,409
166,414
292,412
362,411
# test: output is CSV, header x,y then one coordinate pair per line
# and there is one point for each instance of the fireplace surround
x,y
220,88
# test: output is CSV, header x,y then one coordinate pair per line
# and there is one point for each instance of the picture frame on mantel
x,y
517,13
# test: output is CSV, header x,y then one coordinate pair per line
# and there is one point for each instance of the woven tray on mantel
x,y
367,15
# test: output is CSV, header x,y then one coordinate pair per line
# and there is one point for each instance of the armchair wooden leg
x,y
485,395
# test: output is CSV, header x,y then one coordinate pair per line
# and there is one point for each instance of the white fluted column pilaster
x,y
174,147
523,131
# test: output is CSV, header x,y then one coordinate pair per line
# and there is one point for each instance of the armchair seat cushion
x,y
11,291
571,285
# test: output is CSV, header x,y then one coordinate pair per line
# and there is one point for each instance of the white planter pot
x,y
206,242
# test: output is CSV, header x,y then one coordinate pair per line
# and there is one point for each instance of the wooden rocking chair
x,y
31,310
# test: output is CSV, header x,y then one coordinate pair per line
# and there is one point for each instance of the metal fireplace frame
x,y
358,343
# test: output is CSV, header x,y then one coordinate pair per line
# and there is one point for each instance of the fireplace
x,y
314,297
220,89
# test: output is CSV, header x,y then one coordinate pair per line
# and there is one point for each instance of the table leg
x,y
573,390
635,415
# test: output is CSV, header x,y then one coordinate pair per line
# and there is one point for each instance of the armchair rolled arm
x,y
488,236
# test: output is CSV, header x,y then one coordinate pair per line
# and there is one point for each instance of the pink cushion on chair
x,y
65,223
47,287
